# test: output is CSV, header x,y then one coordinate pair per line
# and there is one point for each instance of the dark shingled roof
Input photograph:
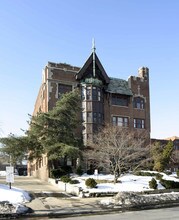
x,y
119,86
89,61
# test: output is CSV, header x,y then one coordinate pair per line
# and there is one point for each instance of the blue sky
x,y
128,34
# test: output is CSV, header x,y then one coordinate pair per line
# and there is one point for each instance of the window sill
x,y
120,106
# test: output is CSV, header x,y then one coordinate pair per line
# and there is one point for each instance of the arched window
x,y
138,103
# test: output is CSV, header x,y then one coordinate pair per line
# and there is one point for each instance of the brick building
x,y
103,99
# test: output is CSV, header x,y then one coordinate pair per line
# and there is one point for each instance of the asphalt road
x,y
156,214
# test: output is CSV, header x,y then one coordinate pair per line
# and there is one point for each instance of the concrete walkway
x,y
30,184
48,200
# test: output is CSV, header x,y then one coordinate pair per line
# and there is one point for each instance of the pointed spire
x,y
93,45
93,51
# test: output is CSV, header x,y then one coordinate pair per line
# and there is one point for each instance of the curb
x,y
101,211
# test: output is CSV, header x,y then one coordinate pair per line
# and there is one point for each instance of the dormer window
x,y
120,100
138,103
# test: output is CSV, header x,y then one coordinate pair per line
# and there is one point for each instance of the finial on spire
x,y
93,45
94,62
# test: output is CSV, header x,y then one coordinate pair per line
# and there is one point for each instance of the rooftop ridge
x,y
115,78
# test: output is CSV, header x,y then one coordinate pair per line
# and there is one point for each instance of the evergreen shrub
x,y
141,173
65,179
63,170
168,172
153,184
91,183
169,184
67,169
57,173
159,176
74,181
79,171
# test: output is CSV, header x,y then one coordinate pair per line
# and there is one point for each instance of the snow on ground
x,y
130,183
127,182
15,196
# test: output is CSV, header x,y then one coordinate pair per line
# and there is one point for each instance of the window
x,y
100,118
139,103
88,93
139,123
120,121
95,93
83,93
99,95
91,93
62,89
176,145
119,100
95,117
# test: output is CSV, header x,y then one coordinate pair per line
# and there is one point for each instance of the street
x,y
156,214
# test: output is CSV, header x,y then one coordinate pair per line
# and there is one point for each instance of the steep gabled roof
x,y
89,61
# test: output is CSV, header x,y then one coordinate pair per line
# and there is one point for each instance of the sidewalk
x,y
48,200
56,206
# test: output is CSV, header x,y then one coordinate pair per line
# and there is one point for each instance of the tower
x,y
92,79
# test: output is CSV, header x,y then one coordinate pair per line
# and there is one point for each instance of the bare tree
x,y
119,149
